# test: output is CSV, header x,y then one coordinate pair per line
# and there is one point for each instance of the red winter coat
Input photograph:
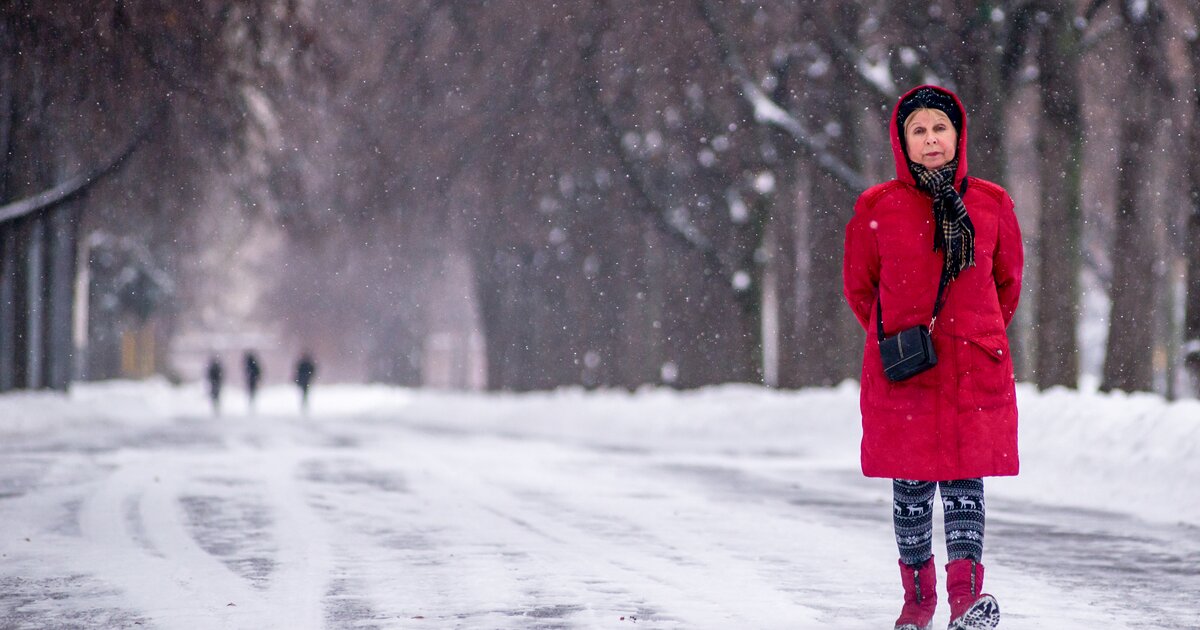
x,y
959,419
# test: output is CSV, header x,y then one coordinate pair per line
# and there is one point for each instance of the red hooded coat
x,y
957,420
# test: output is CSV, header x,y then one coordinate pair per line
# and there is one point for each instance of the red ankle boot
x,y
970,608
920,596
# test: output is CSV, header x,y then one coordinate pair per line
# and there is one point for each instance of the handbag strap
x,y
943,285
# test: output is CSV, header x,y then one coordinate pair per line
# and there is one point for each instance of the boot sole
x,y
984,614
913,626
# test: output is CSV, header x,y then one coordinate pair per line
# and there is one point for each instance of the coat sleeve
x,y
1008,261
860,264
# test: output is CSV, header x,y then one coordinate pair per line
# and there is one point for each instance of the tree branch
x,y
884,87
769,112
77,185
1093,7
658,214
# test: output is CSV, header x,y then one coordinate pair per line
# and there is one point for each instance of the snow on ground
x,y
130,505
1135,454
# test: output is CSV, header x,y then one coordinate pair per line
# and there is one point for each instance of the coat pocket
x,y
989,372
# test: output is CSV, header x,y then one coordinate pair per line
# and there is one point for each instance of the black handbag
x,y
910,351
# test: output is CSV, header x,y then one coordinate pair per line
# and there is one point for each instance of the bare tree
x,y
1060,151
1191,326
1131,340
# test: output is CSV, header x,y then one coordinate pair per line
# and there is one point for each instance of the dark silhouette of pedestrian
x,y
253,376
215,375
306,369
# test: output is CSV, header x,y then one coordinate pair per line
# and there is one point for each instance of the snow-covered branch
x,y
769,112
79,183
875,74
666,220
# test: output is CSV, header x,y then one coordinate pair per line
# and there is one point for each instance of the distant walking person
x,y
306,369
253,376
215,375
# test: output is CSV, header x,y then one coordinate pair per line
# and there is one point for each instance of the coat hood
x,y
902,171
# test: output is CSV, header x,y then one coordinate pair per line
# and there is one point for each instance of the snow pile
x,y
91,405
729,419
1133,453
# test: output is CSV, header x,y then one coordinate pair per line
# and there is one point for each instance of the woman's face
x,y
930,138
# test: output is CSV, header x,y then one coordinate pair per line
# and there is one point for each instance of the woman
x,y
955,423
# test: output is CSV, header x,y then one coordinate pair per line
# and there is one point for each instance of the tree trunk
x,y
35,286
794,288
60,351
829,339
8,112
1128,361
707,326
8,306
832,344
555,356
639,336
1060,153
635,335
1191,321
1191,324
746,340
773,268
495,276
781,310
1127,364
785,258
985,92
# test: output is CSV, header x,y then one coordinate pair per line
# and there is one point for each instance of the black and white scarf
x,y
953,232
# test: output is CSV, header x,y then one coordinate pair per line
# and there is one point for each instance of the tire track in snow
x,y
273,456
168,575
139,537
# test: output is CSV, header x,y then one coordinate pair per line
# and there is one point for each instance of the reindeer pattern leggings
x,y
912,515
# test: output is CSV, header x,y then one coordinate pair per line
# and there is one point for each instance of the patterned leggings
x,y
912,515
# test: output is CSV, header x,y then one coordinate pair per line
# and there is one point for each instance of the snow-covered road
x,y
404,519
